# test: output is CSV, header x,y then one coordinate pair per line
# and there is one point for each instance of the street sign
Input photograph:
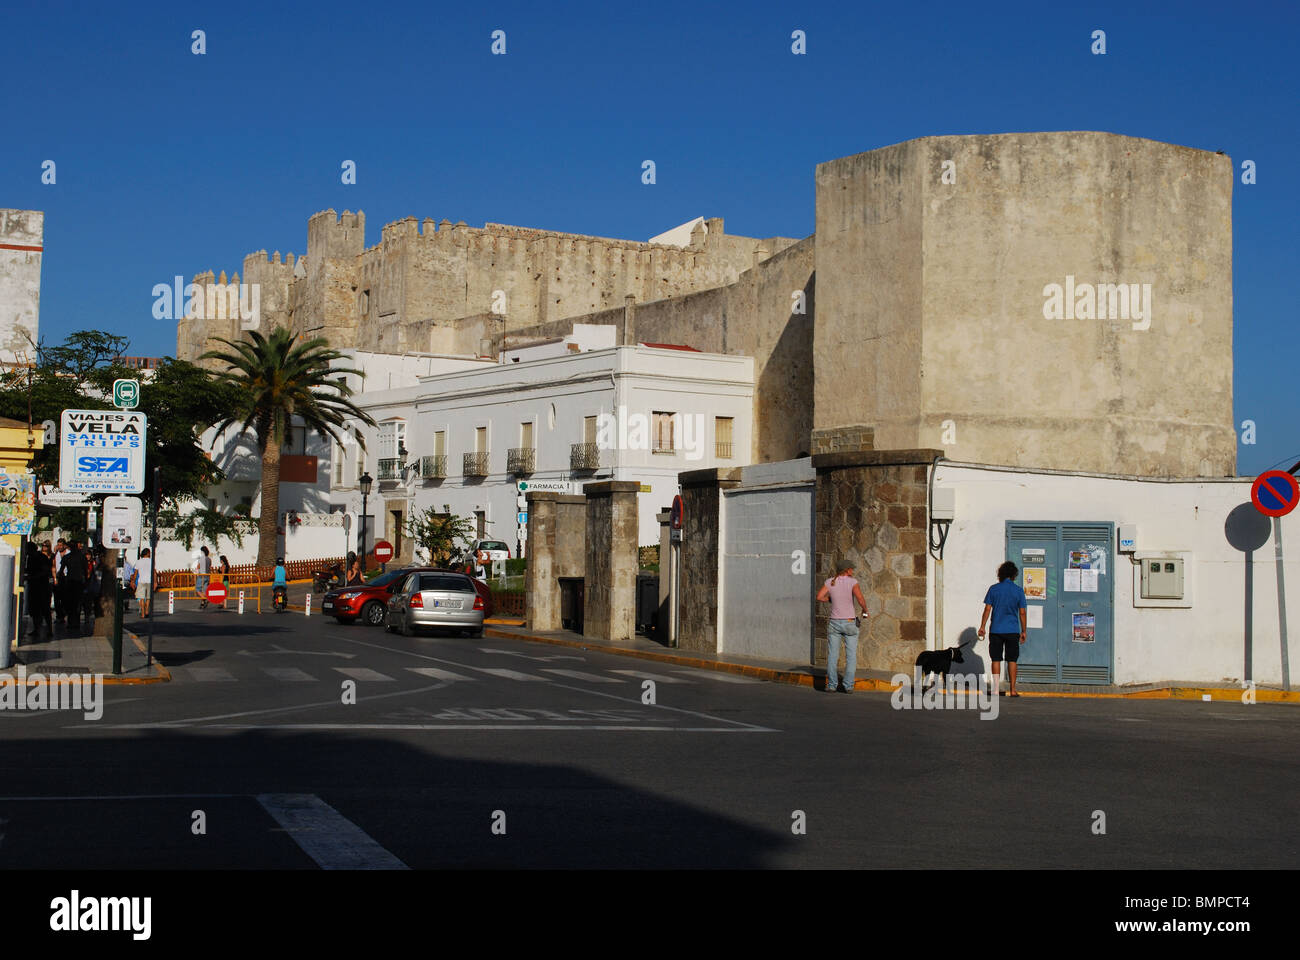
x,y
347,522
51,496
1275,493
102,451
216,592
523,518
126,394
122,516
646,488
546,486
677,513
383,551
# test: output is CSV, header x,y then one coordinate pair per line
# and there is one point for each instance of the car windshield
x,y
492,545
385,579
442,581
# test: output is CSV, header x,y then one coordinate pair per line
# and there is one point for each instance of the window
x,y
588,429
361,453
440,443
364,302
340,460
392,439
526,434
722,430
663,431
295,441
480,440
480,523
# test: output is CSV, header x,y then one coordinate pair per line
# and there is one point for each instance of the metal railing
x,y
433,467
584,456
390,468
722,449
519,460
476,464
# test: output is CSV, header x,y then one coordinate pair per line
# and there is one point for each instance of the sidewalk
x,y
75,656
873,680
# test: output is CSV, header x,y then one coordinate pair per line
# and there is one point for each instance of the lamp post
x,y
365,482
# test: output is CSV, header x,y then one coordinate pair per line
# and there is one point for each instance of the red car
x,y
370,601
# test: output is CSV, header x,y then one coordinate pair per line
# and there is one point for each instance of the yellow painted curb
x,y
874,685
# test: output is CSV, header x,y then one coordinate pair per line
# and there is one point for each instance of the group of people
x,y
65,585
1004,611
203,575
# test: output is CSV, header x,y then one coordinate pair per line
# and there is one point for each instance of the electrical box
x,y
1162,578
1128,536
944,505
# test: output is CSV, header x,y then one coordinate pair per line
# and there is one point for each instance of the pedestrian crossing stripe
x,y
579,675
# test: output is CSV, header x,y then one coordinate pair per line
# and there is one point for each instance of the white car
x,y
483,552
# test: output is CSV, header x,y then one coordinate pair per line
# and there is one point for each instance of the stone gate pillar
x,y
612,533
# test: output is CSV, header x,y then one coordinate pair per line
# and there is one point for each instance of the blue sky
x,y
173,163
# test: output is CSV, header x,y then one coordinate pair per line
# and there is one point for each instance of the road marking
x,y
439,674
506,674
276,648
325,835
334,702
487,726
646,675
579,675
717,675
288,674
210,674
529,656
363,673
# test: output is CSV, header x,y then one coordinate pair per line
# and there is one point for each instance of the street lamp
x,y
365,482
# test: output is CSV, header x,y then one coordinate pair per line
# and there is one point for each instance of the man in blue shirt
x,y
1006,602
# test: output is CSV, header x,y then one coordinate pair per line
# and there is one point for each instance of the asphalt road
x,y
451,741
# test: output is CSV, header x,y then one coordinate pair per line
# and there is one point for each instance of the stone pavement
x,y
67,653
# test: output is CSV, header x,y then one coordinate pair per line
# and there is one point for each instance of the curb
x,y
107,679
873,685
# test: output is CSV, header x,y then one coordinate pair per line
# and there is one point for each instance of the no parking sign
x,y
1275,493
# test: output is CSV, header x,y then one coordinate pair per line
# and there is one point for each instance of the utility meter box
x,y
1128,537
944,506
1162,578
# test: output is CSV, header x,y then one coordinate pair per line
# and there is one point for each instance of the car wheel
x,y
345,619
373,613
477,633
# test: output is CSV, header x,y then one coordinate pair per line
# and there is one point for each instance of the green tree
x,y
439,533
279,379
179,399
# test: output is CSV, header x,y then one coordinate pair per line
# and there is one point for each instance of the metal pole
x,y
364,531
1281,603
153,561
6,603
117,625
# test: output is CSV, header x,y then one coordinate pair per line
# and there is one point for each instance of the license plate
x,y
327,605
447,604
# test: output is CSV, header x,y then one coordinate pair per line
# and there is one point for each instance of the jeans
x,y
837,631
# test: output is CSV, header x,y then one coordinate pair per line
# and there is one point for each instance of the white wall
x,y
1203,642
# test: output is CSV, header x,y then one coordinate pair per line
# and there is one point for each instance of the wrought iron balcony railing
x,y
519,460
434,467
390,468
476,464
584,456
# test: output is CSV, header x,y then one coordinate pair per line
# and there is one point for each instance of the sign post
x,y
383,552
102,451
1275,493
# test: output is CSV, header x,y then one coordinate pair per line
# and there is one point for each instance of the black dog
x,y
938,661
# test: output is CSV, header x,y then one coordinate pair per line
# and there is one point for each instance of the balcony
x,y
476,464
722,449
433,468
390,468
584,456
520,460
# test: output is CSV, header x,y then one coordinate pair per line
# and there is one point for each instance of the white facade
x,y
1200,638
492,410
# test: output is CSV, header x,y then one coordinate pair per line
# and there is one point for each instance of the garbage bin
x,y
647,603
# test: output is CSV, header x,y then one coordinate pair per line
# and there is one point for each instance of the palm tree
x,y
280,379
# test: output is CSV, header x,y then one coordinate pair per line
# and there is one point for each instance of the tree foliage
x,y
277,380
443,535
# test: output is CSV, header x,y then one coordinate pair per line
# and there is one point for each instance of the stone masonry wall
x,y
871,514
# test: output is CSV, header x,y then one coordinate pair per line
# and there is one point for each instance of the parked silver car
x,y
442,599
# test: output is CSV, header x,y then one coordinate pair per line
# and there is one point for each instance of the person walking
x,y
1005,600
60,613
39,567
842,590
224,570
72,576
90,608
142,581
202,569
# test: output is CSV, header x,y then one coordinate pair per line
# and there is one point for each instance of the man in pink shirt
x,y
841,590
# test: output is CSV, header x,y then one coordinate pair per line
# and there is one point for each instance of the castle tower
x,y
22,242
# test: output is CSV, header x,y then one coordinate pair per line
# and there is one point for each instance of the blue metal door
x,y
1067,573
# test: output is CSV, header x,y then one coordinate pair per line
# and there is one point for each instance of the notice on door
x,y
1088,580
1084,627
1036,583
1034,616
1070,581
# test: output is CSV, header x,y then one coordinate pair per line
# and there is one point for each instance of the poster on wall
x,y
1034,616
1036,583
1080,560
17,503
1084,627
1088,581
1070,581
